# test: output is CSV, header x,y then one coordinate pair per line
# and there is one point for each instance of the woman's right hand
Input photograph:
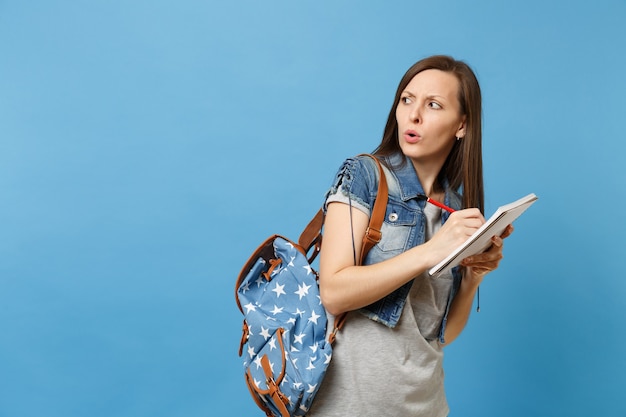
x,y
457,229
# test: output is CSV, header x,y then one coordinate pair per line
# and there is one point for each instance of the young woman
x,y
387,359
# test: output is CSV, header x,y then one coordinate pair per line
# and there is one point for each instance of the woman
x,y
387,359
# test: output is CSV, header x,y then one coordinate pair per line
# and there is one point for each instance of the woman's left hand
x,y
477,266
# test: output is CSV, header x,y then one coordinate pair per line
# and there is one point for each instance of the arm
x,y
345,287
476,267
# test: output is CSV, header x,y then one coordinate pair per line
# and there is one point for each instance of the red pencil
x,y
438,204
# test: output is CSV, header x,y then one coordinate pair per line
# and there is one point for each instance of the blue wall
x,y
147,147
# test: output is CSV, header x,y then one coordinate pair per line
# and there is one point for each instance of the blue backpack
x,y
285,324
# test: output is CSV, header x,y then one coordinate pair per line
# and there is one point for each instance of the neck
x,y
428,176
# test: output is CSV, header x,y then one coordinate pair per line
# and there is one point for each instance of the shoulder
x,y
356,180
361,168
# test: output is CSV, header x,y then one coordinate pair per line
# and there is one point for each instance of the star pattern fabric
x,y
289,300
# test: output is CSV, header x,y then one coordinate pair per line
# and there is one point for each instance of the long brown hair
x,y
463,169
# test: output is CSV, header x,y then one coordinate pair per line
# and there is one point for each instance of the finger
x,y
507,232
483,268
493,255
471,213
497,242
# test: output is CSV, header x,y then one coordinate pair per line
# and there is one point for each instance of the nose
x,y
415,114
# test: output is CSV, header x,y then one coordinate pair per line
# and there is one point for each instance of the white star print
x,y
298,338
277,309
279,289
291,261
265,333
250,307
308,268
258,362
303,290
246,287
259,281
272,344
328,357
299,312
311,388
311,366
314,317
313,348
251,351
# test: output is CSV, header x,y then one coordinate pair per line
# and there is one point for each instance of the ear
x,y
462,130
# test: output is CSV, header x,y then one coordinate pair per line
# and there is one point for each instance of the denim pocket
x,y
396,229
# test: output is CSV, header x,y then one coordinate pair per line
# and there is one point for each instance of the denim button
x,y
393,217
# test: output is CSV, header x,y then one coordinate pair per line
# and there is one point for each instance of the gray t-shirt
x,y
378,371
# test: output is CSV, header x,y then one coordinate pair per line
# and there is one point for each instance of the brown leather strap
x,y
280,400
245,333
311,236
373,233
273,384
252,388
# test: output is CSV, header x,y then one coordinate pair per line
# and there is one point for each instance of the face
x,y
429,117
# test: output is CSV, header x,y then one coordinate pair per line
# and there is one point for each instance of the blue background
x,y
147,147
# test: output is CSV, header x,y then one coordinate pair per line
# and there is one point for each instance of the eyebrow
x,y
429,96
436,96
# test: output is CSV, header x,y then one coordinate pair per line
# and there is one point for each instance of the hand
x,y
478,266
457,229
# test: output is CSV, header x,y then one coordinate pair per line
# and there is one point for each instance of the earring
x,y
458,139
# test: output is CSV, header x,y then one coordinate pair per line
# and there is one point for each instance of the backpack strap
x,y
311,236
373,233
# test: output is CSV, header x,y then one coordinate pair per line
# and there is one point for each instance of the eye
x,y
405,100
434,105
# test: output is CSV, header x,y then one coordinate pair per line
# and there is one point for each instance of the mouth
x,y
411,136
